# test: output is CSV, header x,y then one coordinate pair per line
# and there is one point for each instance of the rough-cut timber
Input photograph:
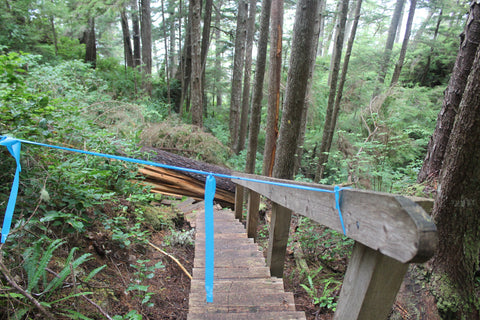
x,y
243,287
183,183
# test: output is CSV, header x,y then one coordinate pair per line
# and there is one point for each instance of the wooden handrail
x,y
390,231
392,224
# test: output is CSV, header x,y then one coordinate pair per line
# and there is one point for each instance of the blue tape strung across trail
x,y
210,186
14,145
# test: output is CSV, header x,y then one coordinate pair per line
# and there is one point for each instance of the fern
x,y
67,269
36,269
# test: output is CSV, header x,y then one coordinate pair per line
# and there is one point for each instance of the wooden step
x,y
266,315
243,287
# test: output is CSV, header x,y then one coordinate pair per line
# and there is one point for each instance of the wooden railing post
x,y
277,242
370,285
252,214
239,190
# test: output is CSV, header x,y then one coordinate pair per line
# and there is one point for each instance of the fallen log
x,y
183,183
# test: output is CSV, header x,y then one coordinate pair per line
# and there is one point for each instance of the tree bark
x,y
457,207
54,34
167,74
186,63
207,21
218,57
274,77
127,44
238,63
470,40
137,59
426,70
302,43
146,34
392,32
257,96
321,33
308,98
242,135
90,43
197,96
403,50
329,124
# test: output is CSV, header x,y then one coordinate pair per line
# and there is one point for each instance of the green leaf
x,y
93,273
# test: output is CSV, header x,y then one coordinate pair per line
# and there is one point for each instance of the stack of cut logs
x,y
176,183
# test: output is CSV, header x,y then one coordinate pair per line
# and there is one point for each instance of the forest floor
x,y
121,287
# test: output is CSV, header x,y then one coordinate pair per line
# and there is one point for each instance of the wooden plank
x,y
239,190
278,238
370,286
234,273
392,224
244,301
263,284
252,214
266,315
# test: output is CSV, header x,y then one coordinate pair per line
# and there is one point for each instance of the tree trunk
x,y
146,34
426,70
173,55
186,62
238,63
197,96
257,96
137,59
392,31
127,44
302,43
218,57
403,50
330,32
90,43
167,75
336,59
308,98
457,207
242,135
207,21
470,40
321,33
274,77
54,33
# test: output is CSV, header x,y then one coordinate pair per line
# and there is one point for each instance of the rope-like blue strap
x,y
210,185
14,146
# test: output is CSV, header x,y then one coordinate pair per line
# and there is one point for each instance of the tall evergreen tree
x,y
329,124
274,77
302,43
437,145
237,73
254,127
403,50
242,135
197,104
146,35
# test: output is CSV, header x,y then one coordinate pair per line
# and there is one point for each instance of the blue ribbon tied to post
x,y
13,147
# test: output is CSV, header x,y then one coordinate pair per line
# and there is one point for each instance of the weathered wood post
x,y
239,190
278,239
252,214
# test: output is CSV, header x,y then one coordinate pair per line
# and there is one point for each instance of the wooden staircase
x,y
243,287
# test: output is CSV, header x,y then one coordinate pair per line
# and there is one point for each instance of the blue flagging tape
x,y
210,185
14,145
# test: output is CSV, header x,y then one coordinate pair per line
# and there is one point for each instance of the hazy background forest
x,y
187,77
